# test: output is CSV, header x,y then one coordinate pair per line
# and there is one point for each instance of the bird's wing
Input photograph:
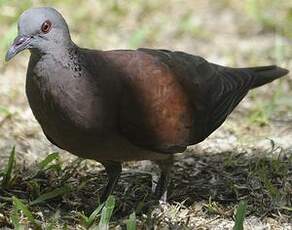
x,y
213,90
174,99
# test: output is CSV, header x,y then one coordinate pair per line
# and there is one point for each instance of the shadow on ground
x,y
215,181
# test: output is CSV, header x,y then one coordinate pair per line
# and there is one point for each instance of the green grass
x,y
271,15
20,214
18,205
239,216
131,222
108,17
263,182
7,174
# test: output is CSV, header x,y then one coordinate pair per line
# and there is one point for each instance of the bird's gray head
x,y
42,29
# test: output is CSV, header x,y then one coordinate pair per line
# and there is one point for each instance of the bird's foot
x,y
105,194
113,170
159,188
160,191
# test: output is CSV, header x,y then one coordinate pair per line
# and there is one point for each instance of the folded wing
x,y
174,99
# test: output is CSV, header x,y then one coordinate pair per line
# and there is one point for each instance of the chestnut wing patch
x,y
174,99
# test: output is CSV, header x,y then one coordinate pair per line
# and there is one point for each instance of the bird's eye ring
x,y
46,26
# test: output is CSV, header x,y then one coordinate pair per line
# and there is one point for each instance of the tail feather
x,y
265,74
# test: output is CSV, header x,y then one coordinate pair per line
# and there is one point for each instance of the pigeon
x,y
125,105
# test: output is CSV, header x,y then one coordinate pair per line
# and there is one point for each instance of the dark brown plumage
x,y
115,106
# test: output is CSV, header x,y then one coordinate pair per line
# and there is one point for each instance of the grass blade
x,y
240,215
15,218
88,222
51,157
131,222
106,213
94,214
84,220
286,208
22,207
9,169
52,194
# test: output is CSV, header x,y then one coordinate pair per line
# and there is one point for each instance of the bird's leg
x,y
113,170
164,179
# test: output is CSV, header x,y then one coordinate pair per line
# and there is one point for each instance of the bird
x,y
125,105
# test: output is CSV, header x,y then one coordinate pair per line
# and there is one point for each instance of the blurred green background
x,y
172,24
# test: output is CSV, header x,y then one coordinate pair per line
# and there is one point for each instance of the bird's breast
x,y
69,109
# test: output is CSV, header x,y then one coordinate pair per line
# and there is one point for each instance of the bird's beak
x,y
20,43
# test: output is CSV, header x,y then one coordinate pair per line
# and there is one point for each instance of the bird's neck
x,y
68,59
59,51
60,54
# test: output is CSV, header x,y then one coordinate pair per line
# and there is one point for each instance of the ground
x,y
248,158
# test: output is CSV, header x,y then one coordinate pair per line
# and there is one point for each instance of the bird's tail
x,y
265,74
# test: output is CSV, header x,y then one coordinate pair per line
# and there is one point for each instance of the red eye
x,y
46,26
